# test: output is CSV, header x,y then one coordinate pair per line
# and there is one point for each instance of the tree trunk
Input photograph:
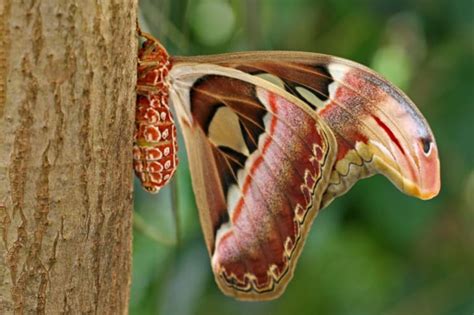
x,y
67,98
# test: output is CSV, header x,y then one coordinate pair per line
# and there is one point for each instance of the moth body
x,y
155,144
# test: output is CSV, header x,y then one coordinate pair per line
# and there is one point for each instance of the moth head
x,y
152,51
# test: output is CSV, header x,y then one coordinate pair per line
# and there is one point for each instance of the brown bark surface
x,y
67,95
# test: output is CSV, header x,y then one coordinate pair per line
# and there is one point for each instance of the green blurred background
x,y
374,250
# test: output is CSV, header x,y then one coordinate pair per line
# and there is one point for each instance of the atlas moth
x,y
272,138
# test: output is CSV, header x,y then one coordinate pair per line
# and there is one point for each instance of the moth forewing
x,y
362,108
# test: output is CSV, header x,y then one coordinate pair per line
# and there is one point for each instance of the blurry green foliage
x,y
215,29
373,251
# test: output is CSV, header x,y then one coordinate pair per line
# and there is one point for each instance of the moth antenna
x,y
150,37
139,30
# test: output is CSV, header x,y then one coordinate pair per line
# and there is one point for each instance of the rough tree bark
x,y
67,78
